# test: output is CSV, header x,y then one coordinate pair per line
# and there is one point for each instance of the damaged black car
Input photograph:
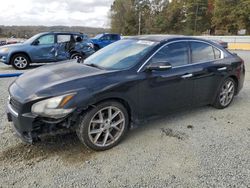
x,y
121,85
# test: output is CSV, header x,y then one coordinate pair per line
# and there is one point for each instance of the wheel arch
x,y
120,100
76,52
20,52
234,77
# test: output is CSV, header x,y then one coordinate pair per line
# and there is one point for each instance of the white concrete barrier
x,y
234,42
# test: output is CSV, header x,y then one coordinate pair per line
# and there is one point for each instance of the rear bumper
x,y
241,78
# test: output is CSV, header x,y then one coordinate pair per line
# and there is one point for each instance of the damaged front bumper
x,y
21,124
29,127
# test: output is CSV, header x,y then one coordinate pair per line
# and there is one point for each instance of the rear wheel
x,y
20,61
79,57
104,126
226,94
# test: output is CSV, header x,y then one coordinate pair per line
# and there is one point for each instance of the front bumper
x,y
29,127
4,58
22,124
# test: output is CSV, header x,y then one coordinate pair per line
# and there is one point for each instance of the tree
x,y
198,16
180,16
123,17
225,17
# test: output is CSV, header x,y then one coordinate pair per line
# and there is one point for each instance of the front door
x,y
164,91
43,49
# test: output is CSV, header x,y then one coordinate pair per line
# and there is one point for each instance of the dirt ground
x,y
203,147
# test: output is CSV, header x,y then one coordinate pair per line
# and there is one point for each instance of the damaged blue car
x,y
47,47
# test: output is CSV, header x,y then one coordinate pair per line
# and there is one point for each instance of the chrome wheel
x,y
227,93
106,126
20,62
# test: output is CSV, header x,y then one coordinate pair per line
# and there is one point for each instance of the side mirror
x,y
36,42
159,66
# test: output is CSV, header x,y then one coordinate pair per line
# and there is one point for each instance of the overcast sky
x,y
93,13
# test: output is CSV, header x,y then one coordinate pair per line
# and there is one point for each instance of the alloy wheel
x,y
20,62
78,58
106,126
227,93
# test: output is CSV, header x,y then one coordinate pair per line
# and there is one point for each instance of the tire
x,y
20,61
79,57
225,94
98,131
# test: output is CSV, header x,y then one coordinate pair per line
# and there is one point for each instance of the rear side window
x,y
217,53
176,54
63,38
202,52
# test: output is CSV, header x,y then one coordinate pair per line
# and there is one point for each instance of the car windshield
x,y
120,55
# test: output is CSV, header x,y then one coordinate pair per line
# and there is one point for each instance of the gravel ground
x,y
203,147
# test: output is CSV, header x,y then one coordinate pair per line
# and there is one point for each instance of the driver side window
x,y
46,39
176,54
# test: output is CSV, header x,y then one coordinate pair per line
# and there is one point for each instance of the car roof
x,y
163,38
63,32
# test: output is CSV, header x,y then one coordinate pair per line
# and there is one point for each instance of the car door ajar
x,y
165,91
43,49
65,44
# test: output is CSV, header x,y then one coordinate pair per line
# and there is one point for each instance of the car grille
x,y
15,104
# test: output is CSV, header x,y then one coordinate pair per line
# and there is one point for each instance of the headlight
x,y
90,45
53,107
4,50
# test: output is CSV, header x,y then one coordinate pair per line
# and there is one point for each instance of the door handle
x,y
187,76
222,69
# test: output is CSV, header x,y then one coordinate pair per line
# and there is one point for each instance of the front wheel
x,y
20,61
104,126
226,94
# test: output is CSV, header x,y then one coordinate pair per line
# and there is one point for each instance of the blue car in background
x,y
104,39
47,47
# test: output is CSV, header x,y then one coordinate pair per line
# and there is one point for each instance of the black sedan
x,y
124,84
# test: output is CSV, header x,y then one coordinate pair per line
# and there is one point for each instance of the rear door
x,y
207,70
64,45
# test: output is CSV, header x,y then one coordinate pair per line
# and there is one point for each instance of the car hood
x,y
12,45
54,79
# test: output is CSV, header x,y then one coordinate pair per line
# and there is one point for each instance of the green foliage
x,y
180,16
